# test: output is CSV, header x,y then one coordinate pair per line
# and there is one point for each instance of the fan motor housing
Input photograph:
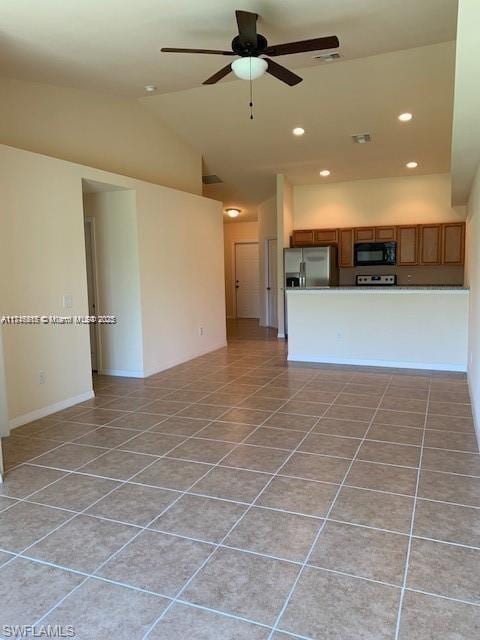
x,y
249,49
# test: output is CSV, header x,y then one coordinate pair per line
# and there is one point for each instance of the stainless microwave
x,y
375,253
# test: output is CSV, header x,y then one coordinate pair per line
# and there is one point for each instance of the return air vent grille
x,y
362,138
212,179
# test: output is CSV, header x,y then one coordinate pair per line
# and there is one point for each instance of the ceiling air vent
x,y
362,138
328,57
212,179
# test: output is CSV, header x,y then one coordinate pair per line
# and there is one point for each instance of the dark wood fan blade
x,y
247,27
316,44
219,75
282,73
210,51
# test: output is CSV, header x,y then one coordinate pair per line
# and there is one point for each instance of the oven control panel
x,y
369,281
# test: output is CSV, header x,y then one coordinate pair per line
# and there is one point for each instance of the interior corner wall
x,y
4,426
235,232
109,132
473,281
267,230
118,280
180,251
285,226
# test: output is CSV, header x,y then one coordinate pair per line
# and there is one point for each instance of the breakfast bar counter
x,y
406,327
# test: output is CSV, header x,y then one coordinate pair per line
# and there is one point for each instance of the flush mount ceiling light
x,y
150,88
324,173
249,68
233,213
412,165
298,131
405,117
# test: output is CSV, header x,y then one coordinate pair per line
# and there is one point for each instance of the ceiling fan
x,y
252,49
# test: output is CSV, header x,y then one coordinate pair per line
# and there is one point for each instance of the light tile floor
x,y
239,497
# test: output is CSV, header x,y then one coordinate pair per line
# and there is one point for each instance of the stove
x,y
372,281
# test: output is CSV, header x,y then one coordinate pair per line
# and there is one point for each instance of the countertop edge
x,y
395,289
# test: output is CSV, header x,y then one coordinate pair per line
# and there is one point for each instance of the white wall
x,y
99,130
118,279
424,329
405,200
473,281
285,225
235,232
267,230
180,247
4,427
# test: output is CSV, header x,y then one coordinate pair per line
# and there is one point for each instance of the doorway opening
x,y
247,290
113,279
270,271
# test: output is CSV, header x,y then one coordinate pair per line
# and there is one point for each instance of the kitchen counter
x,y
406,327
386,288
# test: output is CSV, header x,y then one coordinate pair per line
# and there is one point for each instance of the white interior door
x,y
90,259
271,277
246,279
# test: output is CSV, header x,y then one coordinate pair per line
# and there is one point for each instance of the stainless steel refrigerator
x,y
309,268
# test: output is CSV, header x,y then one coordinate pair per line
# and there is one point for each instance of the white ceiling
x,y
114,46
334,102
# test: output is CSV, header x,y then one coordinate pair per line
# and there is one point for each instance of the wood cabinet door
x,y
365,234
345,247
430,244
323,236
303,237
453,251
407,237
385,234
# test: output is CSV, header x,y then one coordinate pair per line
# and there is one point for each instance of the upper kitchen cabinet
x,y
345,247
385,234
430,244
365,234
453,247
302,238
407,245
325,236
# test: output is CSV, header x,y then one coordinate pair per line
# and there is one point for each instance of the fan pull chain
x,y
251,91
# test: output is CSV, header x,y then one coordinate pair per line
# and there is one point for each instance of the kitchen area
x,y
389,296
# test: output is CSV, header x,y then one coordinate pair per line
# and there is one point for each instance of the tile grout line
x,y
412,525
322,526
136,535
187,583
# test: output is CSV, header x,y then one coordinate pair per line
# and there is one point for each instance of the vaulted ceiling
x,y
395,57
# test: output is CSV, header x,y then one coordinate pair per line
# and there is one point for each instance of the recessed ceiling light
x,y
150,88
324,173
405,117
298,131
233,213
412,165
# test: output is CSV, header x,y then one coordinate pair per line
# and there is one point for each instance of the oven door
x,y
375,253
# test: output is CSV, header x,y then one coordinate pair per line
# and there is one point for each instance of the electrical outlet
x,y
67,302
42,377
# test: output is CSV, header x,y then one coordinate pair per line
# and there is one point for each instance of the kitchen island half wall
x,y
419,328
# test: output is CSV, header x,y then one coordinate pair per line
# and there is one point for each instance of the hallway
x,y
237,496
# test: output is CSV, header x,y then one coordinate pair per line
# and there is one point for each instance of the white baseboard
x,y
177,361
379,363
475,413
47,411
121,373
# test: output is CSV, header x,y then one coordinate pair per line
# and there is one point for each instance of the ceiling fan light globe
x,y
249,67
